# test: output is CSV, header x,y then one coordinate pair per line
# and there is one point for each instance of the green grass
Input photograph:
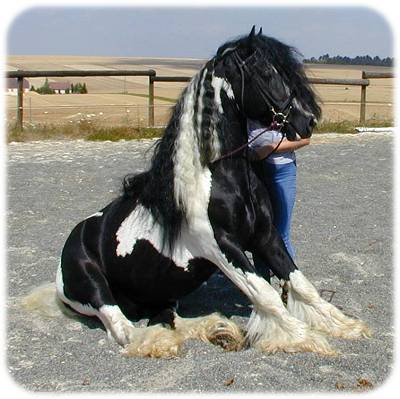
x,y
93,132
124,133
349,126
83,130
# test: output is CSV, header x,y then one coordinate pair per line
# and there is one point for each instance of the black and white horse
x,y
197,210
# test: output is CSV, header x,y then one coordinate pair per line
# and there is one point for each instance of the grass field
x,y
123,100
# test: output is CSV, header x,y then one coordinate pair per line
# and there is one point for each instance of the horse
x,y
197,209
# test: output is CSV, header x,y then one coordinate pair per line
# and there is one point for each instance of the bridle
x,y
279,118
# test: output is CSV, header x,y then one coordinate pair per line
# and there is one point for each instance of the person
x,y
279,172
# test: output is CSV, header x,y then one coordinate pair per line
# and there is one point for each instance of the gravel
x,y
342,232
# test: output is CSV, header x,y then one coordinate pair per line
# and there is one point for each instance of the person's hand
x,y
306,141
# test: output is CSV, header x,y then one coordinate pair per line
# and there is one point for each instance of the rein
x,y
272,126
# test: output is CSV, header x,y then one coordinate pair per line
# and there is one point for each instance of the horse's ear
x,y
260,32
253,32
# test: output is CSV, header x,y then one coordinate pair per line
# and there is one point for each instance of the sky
x,y
195,32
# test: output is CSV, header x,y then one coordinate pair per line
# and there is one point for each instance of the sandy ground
x,y
342,232
106,93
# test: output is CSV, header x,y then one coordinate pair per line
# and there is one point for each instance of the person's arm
x,y
285,146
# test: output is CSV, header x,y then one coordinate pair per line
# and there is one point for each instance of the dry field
x,y
120,100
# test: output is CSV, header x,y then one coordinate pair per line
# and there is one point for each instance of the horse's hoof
x,y
226,335
226,341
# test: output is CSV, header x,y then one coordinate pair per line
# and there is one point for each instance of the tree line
x,y
344,60
78,88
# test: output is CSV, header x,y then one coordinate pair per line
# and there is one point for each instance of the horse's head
x,y
269,83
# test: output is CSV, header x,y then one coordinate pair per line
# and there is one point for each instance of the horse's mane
x,y
156,188
286,60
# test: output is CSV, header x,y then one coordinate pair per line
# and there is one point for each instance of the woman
x,y
278,162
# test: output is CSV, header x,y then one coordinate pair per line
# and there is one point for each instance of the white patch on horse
x,y
187,164
95,215
140,225
227,50
116,324
192,187
218,84
274,69
201,103
215,144
300,107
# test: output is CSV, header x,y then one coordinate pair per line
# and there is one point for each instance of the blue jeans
x,y
280,180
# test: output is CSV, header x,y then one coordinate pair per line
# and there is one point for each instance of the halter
x,y
279,119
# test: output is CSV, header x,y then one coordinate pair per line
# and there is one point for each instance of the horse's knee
x,y
273,253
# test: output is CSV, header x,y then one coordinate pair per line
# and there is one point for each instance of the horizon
x,y
188,58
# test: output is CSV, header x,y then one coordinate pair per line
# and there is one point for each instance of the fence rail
x,y
377,75
20,75
152,76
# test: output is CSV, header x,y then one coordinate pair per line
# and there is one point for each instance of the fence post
x,y
20,102
151,101
363,101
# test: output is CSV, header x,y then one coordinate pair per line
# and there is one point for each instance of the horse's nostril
x,y
312,122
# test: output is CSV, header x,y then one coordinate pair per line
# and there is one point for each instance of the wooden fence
x,y
152,76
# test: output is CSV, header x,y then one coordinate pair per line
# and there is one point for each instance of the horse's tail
x,y
44,301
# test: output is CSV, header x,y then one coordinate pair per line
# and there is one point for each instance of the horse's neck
x,y
195,148
234,134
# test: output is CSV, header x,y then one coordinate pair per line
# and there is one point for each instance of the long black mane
x,y
286,60
155,187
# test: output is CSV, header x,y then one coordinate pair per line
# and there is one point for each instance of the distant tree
x,y
45,89
345,60
78,88
323,59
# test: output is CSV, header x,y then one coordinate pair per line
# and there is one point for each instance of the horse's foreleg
x,y
305,303
303,300
271,328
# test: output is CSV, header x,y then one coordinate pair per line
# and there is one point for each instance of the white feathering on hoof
x,y
272,334
214,328
305,303
271,328
155,341
160,342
